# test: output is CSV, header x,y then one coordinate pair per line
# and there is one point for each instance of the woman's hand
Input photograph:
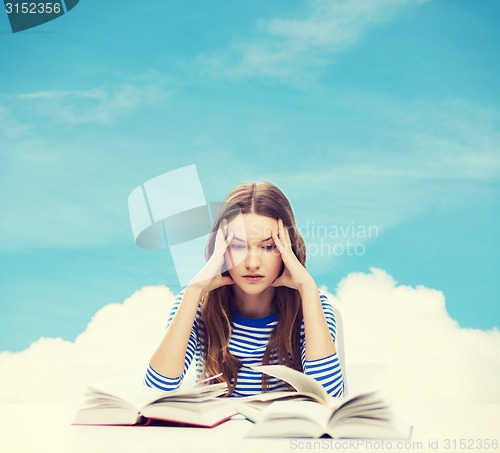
x,y
295,274
210,276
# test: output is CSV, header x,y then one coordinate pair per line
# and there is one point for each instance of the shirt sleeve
x,y
166,383
327,370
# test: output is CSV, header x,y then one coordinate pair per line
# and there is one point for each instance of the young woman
x,y
253,303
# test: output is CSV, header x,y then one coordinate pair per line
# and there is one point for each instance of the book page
x,y
205,413
105,416
252,406
131,392
301,382
366,430
291,427
269,397
345,403
305,410
134,394
291,419
367,416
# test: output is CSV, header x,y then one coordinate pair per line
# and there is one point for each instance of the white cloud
x,y
97,105
401,340
54,94
286,48
398,339
118,342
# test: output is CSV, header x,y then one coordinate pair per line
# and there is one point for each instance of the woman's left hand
x,y
295,274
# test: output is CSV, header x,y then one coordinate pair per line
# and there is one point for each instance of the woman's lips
x,y
253,278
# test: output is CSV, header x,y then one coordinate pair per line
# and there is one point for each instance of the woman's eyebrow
x,y
243,240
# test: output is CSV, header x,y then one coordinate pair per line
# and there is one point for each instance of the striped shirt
x,y
248,342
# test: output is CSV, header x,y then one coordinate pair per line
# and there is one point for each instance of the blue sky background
x,y
379,113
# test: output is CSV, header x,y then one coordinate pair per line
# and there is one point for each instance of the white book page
x,y
269,397
306,410
132,392
301,382
136,395
354,430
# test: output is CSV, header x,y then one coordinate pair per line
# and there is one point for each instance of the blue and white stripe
x,y
248,342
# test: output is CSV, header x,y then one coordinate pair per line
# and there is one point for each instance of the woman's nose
x,y
252,260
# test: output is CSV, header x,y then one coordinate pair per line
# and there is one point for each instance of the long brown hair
x,y
262,198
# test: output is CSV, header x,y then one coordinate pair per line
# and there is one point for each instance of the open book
x,y
311,412
126,402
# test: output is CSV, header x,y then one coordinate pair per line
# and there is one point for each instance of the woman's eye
x,y
269,247
237,247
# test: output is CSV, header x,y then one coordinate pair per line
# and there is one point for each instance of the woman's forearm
x,y
319,342
169,357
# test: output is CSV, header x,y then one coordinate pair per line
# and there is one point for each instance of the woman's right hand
x,y
210,276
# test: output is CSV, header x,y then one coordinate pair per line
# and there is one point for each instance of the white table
x,y
47,428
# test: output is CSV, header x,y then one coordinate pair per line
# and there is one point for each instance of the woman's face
x,y
252,256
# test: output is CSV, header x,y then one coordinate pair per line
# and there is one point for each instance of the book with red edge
x,y
126,402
